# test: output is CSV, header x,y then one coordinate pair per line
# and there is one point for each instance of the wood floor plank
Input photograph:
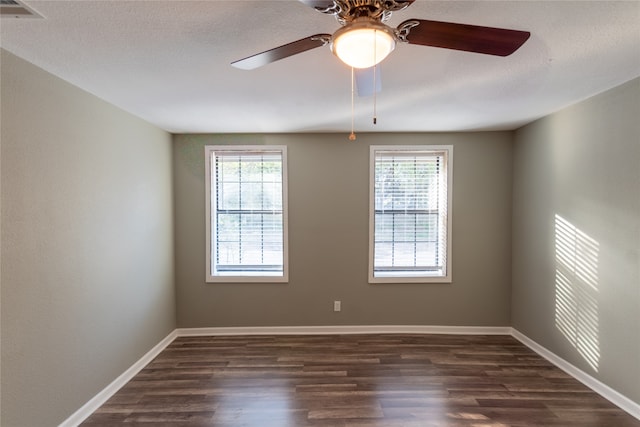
x,y
390,380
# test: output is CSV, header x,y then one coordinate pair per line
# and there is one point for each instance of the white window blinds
x,y
410,235
247,212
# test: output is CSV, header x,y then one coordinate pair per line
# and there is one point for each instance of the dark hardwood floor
x,y
388,380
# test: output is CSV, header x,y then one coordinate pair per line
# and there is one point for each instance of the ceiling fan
x,y
364,39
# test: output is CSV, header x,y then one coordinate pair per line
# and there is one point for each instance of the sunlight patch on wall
x,y
577,289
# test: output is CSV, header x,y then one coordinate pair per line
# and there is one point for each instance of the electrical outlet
x,y
337,306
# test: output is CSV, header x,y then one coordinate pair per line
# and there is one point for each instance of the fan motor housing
x,y
347,11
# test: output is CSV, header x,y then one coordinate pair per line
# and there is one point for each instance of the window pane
x,y
228,253
251,195
404,254
229,195
272,196
426,254
384,227
250,168
228,226
383,254
228,169
251,253
426,227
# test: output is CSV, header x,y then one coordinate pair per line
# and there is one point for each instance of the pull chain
x,y
375,52
375,114
352,136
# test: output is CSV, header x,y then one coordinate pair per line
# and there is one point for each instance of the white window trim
x,y
249,278
447,278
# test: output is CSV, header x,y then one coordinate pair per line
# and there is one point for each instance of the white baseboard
x,y
602,389
345,330
99,399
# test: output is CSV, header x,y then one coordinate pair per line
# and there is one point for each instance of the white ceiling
x,y
168,63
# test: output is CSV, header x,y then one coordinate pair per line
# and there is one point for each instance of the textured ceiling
x,y
168,63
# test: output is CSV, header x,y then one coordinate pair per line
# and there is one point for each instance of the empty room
x,y
340,213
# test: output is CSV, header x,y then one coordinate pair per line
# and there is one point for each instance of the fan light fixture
x,y
363,44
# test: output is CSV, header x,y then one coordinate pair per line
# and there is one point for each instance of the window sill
x,y
410,279
247,279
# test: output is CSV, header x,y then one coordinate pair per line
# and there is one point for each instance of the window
x,y
410,214
246,213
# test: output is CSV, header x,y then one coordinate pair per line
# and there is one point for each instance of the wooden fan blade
x,y
281,52
470,38
365,84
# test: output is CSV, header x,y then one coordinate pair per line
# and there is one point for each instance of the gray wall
x,y
576,235
87,247
328,238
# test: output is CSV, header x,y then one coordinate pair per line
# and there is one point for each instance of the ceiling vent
x,y
16,9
